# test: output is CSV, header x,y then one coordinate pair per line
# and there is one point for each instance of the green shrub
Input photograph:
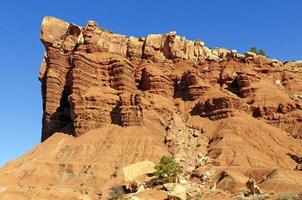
x,y
167,170
261,52
258,52
254,50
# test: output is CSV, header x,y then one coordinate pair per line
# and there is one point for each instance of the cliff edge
x,y
111,100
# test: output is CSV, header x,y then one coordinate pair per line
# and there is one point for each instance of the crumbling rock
x,y
154,81
217,106
224,116
191,86
252,186
80,62
130,110
244,85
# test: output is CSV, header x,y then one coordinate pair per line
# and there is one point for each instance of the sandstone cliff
x,y
91,77
119,98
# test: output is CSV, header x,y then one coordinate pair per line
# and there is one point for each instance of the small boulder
x,y
201,160
176,191
207,175
195,133
299,167
193,191
136,171
169,137
252,186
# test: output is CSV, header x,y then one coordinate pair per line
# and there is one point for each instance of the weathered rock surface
x,y
252,186
135,171
110,100
80,63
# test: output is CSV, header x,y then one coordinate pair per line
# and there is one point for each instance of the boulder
x,y
193,190
220,52
52,29
133,172
252,186
176,190
209,54
233,54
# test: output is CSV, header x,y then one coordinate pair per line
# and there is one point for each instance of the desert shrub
x,y
261,52
116,192
287,196
258,52
167,170
254,50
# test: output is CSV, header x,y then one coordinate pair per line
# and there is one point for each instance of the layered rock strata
x,y
233,121
92,77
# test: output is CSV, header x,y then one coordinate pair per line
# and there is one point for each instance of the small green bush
x,y
258,52
261,52
167,170
254,50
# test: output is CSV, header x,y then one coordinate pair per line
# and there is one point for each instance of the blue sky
x,y
274,25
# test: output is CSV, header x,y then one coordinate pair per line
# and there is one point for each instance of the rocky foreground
x,y
233,121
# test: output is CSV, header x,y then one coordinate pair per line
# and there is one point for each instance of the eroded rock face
x,y
225,117
91,77
93,80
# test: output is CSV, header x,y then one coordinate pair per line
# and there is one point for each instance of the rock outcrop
x,y
82,62
111,100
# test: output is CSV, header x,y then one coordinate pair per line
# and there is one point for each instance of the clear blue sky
x,y
274,25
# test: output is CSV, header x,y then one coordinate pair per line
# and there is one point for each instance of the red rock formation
x,y
80,59
130,110
244,85
191,86
119,95
155,81
217,105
